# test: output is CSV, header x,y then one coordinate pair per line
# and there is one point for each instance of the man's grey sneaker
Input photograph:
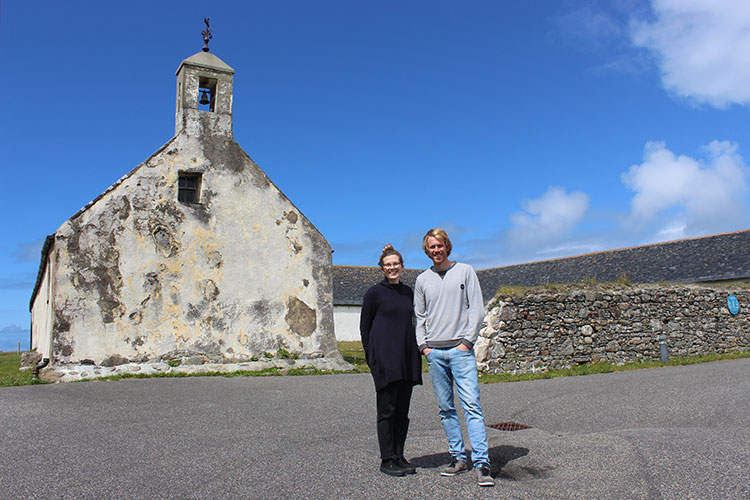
x,y
405,465
456,467
392,468
483,476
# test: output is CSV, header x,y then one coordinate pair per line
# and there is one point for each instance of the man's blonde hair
x,y
440,234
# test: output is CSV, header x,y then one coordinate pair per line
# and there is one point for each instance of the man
x,y
449,309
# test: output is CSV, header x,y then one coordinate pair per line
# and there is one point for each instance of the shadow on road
x,y
500,456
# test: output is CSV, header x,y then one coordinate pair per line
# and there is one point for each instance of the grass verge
x,y
353,352
11,375
592,368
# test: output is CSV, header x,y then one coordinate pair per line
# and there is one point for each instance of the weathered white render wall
x,y
138,276
41,311
346,321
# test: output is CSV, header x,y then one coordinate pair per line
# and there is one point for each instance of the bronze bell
x,y
204,98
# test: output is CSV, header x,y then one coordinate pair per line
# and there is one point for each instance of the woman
x,y
387,329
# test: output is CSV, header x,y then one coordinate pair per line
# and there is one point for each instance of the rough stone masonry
x,y
559,327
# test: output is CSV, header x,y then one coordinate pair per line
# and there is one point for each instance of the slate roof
x,y
351,282
717,257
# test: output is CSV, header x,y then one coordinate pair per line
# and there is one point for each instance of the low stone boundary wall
x,y
74,373
179,365
554,327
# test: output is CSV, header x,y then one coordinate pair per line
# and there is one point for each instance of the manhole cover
x,y
509,426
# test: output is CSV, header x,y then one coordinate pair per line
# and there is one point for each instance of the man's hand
x,y
463,347
426,351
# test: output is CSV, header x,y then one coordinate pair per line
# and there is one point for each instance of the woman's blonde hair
x,y
440,234
387,251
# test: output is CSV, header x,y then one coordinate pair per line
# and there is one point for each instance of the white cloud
x,y
18,282
589,25
674,196
683,196
673,231
13,329
701,47
602,27
29,252
571,248
548,218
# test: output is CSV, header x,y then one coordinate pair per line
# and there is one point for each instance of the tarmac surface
x,y
677,432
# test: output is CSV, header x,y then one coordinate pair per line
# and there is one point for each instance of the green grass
x,y
591,284
10,374
353,352
587,284
592,368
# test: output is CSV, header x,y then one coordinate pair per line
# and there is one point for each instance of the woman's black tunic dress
x,y
387,328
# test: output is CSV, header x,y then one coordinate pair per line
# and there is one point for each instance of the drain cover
x,y
509,426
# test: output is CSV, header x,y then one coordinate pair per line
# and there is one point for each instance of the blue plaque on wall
x,y
733,304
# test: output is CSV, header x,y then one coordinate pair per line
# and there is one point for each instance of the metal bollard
x,y
663,348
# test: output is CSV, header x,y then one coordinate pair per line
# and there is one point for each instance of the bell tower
x,y
204,94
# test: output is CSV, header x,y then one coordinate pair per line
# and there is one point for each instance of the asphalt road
x,y
680,432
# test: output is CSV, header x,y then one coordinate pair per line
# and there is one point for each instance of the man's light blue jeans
x,y
455,365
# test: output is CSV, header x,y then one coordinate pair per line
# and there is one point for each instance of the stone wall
x,y
554,327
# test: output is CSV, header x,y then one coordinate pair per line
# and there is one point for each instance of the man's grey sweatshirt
x,y
449,309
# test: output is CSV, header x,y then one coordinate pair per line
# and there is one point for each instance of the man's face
x,y
437,251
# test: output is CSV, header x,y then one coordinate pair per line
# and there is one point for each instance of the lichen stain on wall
x,y
94,258
300,317
164,241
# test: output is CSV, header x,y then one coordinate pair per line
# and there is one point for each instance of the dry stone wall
x,y
559,327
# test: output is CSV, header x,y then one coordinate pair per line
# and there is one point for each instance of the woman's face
x,y
392,268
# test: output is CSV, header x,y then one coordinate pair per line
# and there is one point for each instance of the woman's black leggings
x,y
393,418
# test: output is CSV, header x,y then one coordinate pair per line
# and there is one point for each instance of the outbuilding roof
x,y
718,257
351,282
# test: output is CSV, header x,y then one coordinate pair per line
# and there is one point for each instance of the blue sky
x,y
529,129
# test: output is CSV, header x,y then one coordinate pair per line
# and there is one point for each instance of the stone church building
x,y
193,257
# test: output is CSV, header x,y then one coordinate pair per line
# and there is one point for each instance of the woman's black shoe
x,y
392,468
406,466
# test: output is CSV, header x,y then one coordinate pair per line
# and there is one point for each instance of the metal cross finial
x,y
206,34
